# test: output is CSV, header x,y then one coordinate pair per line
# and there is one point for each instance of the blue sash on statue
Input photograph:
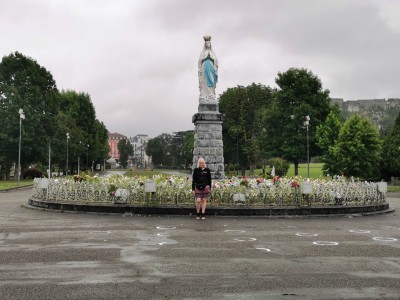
x,y
211,76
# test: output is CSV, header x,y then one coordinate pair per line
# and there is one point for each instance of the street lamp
x,y
21,117
79,154
87,157
49,158
67,151
307,123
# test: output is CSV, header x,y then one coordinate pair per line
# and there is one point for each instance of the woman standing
x,y
201,187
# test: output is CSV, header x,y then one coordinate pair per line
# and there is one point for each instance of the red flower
x,y
295,183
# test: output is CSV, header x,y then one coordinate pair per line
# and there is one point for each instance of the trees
x,y
49,115
326,138
125,149
101,146
159,150
181,146
300,94
242,130
358,147
25,84
77,116
172,150
187,150
391,150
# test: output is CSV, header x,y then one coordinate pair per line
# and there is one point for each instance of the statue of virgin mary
x,y
208,71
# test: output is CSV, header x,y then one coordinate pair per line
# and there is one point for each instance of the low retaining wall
x,y
220,211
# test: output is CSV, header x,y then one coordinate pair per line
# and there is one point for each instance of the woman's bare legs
x,y
198,206
203,207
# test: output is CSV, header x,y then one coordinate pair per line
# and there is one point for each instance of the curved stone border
x,y
317,211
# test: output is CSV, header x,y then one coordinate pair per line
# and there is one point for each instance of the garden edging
x,y
316,211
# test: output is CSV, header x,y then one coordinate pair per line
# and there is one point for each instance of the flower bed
x,y
176,190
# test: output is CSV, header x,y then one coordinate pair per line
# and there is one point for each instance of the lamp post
x,y
307,123
87,157
67,151
237,154
79,154
49,158
21,117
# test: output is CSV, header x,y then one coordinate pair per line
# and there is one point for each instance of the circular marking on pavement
x,y
306,234
166,227
245,239
265,249
384,239
325,243
360,231
233,230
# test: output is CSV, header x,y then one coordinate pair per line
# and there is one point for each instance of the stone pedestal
x,y
208,138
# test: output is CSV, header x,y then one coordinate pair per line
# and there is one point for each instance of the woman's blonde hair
x,y
198,162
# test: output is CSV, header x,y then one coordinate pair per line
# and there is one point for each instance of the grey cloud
x,y
138,59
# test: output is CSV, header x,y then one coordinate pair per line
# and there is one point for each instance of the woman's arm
x,y
194,179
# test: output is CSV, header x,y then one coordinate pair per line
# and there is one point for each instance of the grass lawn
x,y
7,184
394,188
315,171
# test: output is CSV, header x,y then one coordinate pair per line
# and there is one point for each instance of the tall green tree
x,y
300,94
188,145
326,137
79,120
181,149
242,127
27,85
125,149
358,148
391,150
101,142
159,148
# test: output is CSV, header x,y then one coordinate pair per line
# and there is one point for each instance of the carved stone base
x,y
208,138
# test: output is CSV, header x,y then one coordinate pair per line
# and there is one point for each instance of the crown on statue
x,y
207,38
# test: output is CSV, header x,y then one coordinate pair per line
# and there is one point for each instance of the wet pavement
x,y
54,255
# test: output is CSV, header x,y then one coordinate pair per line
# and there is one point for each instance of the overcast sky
x,y
138,59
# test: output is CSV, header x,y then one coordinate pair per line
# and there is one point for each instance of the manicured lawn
x,y
7,184
315,170
394,189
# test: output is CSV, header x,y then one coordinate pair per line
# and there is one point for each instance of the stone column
x,y
208,137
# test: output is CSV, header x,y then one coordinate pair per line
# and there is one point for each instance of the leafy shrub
x,y
41,168
33,173
280,164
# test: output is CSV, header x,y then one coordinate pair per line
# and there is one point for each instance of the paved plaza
x,y
53,255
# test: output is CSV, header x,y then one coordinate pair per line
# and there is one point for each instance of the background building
x,y
139,144
113,140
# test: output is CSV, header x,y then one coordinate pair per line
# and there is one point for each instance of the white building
x,y
139,144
